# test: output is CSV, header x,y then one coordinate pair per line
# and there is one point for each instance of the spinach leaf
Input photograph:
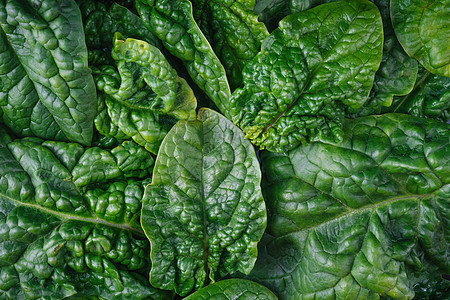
x,y
204,212
146,89
423,29
234,32
360,218
187,42
313,66
233,289
46,88
430,98
69,220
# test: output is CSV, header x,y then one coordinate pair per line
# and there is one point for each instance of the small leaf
x,y
233,289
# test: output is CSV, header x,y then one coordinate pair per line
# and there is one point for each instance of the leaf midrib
x,y
65,216
312,74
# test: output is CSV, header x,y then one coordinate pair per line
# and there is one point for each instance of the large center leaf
x,y
313,66
360,218
204,211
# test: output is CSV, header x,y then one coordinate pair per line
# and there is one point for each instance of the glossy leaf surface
x,y
145,97
101,21
423,29
68,220
397,73
233,31
203,212
313,66
46,88
360,218
430,98
172,21
233,289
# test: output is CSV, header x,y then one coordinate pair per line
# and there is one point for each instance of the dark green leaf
x,y
63,230
172,22
204,212
356,219
234,33
423,29
46,89
313,66
430,98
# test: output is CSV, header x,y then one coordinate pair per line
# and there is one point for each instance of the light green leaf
x,y
317,63
203,212
358,218
233,289
145,97
423,29
46,87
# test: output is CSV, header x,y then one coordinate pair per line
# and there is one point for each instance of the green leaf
x,y
46,89
234,33
101,21
397,73
204,212
430,98
358,218
233,289
313,66
144,99
63,233
423,29
172,22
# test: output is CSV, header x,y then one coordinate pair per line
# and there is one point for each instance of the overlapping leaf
x,y
145,97
233,31
423,29
203,212
361,218
172,21
313,66
46,88
68,220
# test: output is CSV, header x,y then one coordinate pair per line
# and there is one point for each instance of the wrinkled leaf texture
x,y
46,88
204,212
69,220
361,218
317,63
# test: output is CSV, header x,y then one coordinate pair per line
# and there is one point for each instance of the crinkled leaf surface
x,y
233,31
430,98
313,66
101,21
360,218
68,220
46,88
172,21
204,212
423,29
233,289
397,73
145,97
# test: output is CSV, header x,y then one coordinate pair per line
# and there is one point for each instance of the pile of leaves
x,y
224,149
